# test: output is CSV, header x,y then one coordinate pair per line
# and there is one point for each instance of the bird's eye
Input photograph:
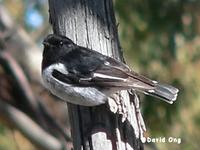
x,y
61,43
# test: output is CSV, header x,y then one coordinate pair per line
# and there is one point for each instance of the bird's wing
x,y
89,68
113,73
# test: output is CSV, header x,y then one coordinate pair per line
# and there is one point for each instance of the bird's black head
x,y
54,47
55,41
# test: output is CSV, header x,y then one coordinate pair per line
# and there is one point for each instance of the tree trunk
x,y
117,125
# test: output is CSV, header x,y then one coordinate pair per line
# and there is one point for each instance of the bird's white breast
x,y
87,96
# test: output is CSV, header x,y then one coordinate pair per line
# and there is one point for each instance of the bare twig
x,y
29,128
34,107
53,122
21,85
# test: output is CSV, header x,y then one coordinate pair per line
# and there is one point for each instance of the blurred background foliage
x,y
160,39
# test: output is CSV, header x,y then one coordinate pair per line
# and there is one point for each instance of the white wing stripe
x,y
99,75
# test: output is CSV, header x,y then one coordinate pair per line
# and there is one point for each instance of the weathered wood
x,y
91,23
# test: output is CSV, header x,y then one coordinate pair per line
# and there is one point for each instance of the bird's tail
x,y
164,92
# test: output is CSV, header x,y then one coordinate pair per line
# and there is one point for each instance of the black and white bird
x,y
85,77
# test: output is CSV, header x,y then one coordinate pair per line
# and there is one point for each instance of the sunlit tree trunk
x,y
91,23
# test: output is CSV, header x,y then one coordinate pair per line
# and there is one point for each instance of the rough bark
x,y
91,23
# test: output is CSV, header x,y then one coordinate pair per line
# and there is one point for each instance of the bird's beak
x,y
45,43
